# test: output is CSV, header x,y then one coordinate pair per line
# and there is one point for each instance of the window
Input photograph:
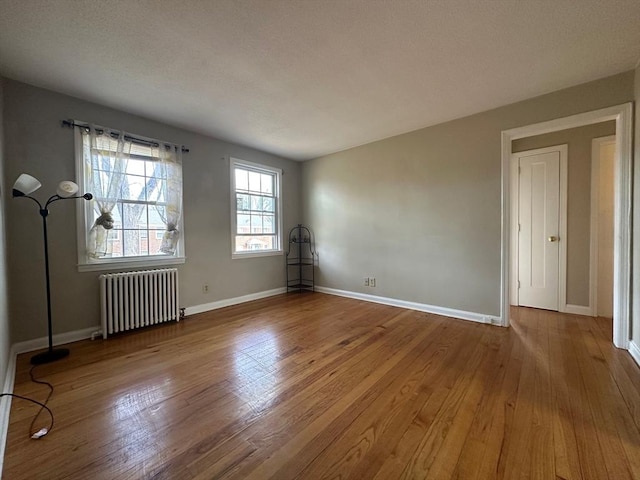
x,y
255,209
135,216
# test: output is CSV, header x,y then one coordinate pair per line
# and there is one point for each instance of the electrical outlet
x,y
366,281
372,281
205,288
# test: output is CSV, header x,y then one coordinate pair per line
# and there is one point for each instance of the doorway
x,y
539,188
555,263
622,115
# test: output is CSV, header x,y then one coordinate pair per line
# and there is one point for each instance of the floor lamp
x,y
25,185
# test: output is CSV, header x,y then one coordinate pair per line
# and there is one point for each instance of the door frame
x,y
562,222
622,114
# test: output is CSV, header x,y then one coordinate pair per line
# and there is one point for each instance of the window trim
x,y
84,222
236,162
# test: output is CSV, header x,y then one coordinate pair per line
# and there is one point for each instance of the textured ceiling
x,y
303,78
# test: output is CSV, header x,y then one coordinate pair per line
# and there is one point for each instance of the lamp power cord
x,y
43,406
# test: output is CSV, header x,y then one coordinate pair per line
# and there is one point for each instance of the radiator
x,y
137,299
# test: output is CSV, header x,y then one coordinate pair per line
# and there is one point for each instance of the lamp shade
x,y
66,189
25,184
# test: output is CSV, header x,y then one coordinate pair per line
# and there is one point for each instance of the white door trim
x,y
622,114
596,143
562,222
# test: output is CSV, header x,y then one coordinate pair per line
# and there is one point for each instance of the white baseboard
x,y
23,347
5,403
68,337
634,350
227,302
58,339
422,307
578,310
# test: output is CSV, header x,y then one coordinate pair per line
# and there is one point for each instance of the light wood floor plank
x,y
372,437
566,453
605,401
479,455
311,386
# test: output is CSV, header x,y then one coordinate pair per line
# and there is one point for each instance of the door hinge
x,y
518,283
519,227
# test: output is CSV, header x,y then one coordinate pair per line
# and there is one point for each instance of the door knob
x,y
553,238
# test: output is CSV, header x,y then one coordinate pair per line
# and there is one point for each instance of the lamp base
x,y
49,356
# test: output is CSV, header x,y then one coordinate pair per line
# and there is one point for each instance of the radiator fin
x,y
133,300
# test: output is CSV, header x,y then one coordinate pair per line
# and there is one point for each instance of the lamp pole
x,y
51,354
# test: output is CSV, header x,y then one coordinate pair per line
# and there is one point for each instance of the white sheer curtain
x,y
170,157
106,156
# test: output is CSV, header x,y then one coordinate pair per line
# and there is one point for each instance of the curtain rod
x,y
141,141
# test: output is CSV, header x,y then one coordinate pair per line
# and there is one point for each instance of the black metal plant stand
x,y
300,260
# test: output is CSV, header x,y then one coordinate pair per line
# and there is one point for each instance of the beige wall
x,y
5,334
606,205
421,211
36,144
578,199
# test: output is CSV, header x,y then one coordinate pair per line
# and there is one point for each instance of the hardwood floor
x,y
312,386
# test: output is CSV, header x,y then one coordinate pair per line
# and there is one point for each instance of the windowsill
x,y
120,263
250,254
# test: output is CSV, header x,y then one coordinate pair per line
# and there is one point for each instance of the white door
x,y
539,225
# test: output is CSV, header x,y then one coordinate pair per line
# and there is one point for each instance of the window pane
x,y
135,167
255,243
100,178
155,241
256,224
156,169
156,193
152,187
268,205
156,214
134,215
144,242
133,188
131,242
242,201
268,224
117,218
267,183
103,164
242,179
114,243
254,181
243,223
256,203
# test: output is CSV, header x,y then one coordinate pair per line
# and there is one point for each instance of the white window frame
x,y
233,163
84,219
